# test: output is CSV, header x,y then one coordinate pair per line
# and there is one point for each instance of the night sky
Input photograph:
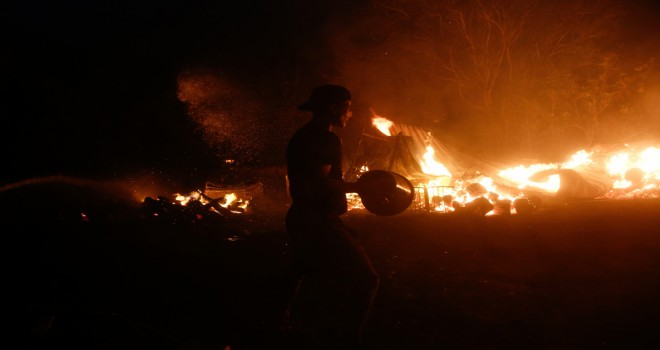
x,y
93,88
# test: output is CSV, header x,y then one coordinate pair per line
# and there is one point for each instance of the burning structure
x,y
443,183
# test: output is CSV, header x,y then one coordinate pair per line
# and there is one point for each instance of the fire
x,y
522,176
230,201
580,158
431,166
627,169
382,124
633,174
634,169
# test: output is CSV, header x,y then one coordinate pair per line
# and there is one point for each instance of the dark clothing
x,y
309,148
324,245
320,241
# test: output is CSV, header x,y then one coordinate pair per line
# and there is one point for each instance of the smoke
x,y
523,78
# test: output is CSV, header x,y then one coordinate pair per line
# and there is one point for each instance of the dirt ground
x,y
582,276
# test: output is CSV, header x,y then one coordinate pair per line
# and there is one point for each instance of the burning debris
x,y
624,173
83,204
197,207
216,199
234,211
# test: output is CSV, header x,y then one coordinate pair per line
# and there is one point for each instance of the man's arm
x,y
337,185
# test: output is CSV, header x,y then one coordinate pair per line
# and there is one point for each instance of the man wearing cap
x,y
321,244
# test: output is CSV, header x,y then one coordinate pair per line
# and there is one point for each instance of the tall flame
x,y
382,124
431,166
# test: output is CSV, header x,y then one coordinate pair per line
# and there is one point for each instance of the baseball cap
x,y
324,96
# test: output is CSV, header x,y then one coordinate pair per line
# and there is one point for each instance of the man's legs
x,y
356,268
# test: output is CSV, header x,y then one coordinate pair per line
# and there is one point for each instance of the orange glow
x,y
633,174
580,158
431,166
520,175
646,163
230,199
382,124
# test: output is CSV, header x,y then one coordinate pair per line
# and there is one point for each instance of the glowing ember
x,y
230,201
184,200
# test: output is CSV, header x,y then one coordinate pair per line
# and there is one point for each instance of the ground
x,y
580,276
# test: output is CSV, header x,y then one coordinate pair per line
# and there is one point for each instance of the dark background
x,y
90,88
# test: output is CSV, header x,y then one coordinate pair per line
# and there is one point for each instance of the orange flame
x,y
629,170
431,166
382,124
634,169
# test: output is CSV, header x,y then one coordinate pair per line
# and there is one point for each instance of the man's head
x,y
331,102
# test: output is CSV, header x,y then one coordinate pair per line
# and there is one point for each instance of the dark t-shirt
x,y
311,147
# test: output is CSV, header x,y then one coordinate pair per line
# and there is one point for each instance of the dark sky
x,y
90,86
